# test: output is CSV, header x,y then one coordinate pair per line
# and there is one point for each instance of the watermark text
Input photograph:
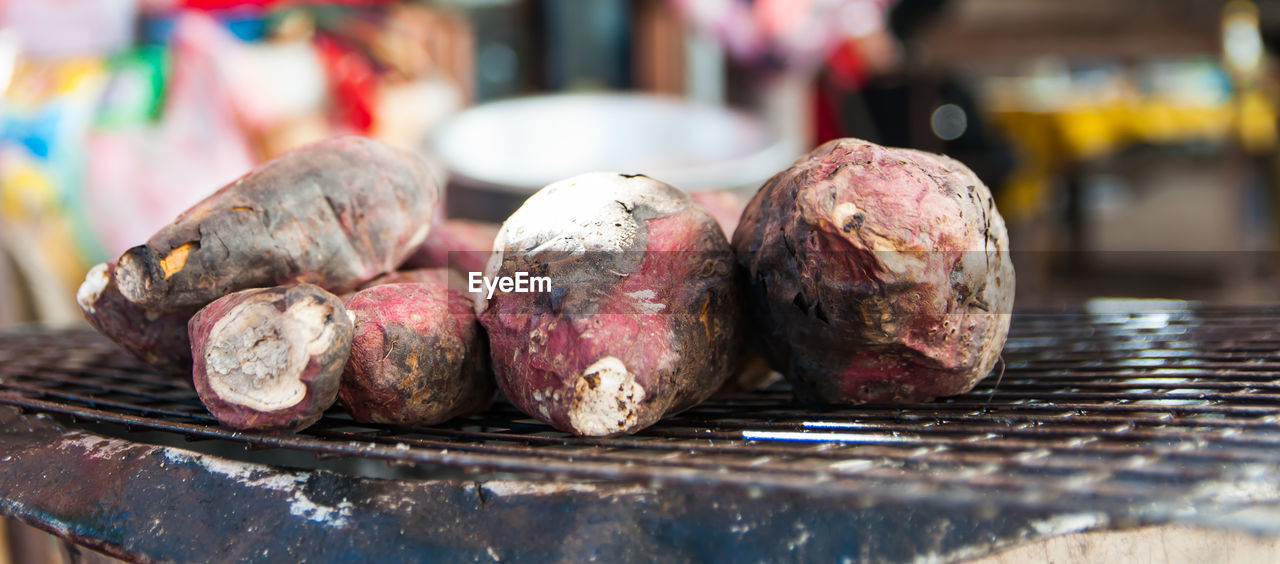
x,y
520,283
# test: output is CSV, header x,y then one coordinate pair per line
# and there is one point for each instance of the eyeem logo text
x,y
521,283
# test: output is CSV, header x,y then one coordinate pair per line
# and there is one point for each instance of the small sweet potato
x,y
724,205
876,274
430,276
159,339
336,214
418,356
641,318
270,358
461,244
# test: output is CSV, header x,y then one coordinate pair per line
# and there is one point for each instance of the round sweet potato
x,y
460,244
640,318
418,356
876,274
270,358
724,205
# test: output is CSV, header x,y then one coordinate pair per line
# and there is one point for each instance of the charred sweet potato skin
x,y
158,339
336,214
876,274
418,356
318,375
642,319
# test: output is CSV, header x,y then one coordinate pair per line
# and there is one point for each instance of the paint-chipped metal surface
x,y
1103,419
152,503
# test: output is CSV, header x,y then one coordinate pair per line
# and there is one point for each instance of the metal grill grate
x,y
1176,406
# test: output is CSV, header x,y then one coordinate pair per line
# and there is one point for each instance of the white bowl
x,y
499,153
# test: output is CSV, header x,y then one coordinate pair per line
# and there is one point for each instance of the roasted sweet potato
x,y
270,358
336,214
418,356
435,276
753,371
724,205
640,318
876,274
159,339
461,244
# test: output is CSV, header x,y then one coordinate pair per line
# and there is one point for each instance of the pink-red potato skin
x,y
460,244
158,339
418,356
317,377
876,274
724,205
336,213
628,333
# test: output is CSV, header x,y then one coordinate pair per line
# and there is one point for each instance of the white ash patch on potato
x,y
848,217
644,302
601,213
95,282
607,399
608,217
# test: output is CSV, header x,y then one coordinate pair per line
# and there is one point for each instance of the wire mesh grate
x,y
1173,405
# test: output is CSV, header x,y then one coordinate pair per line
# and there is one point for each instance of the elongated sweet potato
x,y
336,214
640,318
877,274
418,356
461,244
270,358
159,339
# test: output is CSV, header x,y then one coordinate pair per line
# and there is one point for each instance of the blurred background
x,y
1131,145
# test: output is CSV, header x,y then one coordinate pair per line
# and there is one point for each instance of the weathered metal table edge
x,y
197,507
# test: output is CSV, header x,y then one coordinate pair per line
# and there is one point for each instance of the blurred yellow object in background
x,y
46,111
39,241
1051,139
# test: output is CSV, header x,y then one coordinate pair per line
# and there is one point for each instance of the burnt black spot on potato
x,y
593,380
557,297
802,302
854,222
